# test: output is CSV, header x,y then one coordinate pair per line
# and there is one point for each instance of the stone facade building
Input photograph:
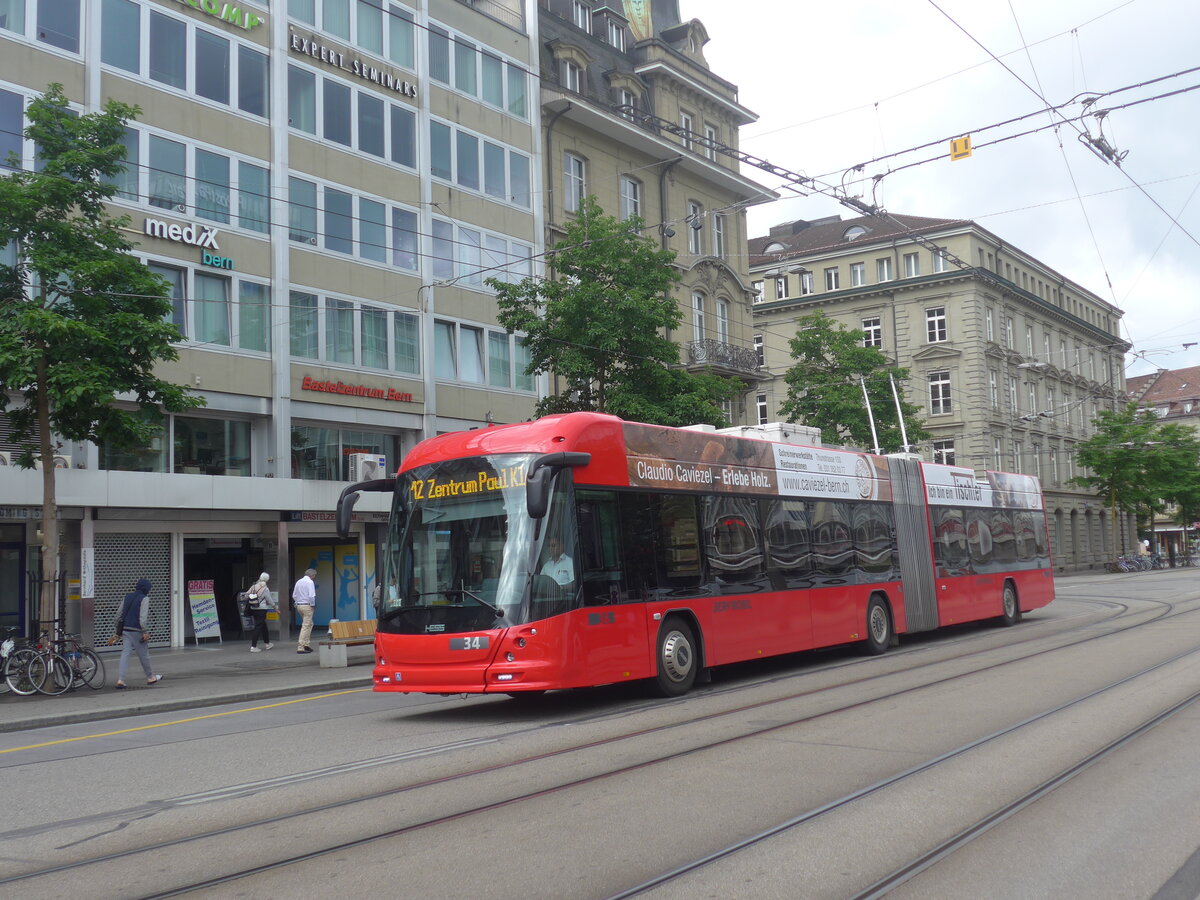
x,y
1009,359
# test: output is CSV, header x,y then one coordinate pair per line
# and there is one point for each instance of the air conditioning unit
x,y
6,458
367,466
60,462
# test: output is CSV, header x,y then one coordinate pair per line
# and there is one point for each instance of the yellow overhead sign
x,y
960,148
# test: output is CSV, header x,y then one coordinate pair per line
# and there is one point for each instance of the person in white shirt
x,y
304,600
559,566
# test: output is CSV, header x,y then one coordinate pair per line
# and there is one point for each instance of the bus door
x,y
611,636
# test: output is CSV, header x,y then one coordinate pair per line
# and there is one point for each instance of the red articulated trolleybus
x,y
582,550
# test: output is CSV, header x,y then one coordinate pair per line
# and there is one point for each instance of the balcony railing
x,y
510,12
721,355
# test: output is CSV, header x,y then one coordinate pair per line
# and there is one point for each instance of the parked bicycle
x,y
52,666
15,656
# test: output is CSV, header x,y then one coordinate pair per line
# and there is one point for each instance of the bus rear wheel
x,y
1010,610
879,627
676,658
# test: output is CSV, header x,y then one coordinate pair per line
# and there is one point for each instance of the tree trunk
x,y
47,607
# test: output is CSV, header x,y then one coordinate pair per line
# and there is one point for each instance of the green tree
x,y
599,325
1138,463
81,320
825,387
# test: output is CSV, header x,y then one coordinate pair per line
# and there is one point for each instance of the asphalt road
x,y
976,762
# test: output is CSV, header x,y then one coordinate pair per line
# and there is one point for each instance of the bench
x,y
332,651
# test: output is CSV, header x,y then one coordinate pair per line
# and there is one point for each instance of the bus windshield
x,y
461,547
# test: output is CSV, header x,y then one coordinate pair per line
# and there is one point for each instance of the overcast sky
x,y
836,85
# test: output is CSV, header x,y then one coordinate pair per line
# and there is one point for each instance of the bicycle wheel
x,y
89,669
16,672
52,674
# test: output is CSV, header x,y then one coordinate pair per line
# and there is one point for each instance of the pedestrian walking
x,y
133,624
261,603
304,598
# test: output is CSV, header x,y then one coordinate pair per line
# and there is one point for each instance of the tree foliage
x,y
599,325
1137,463
81,320
824,387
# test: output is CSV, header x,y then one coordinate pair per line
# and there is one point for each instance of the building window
x,y
941,262
685,125
616,34
1033,407
1018,452
1008,332
581,15
698,329
1012,396
883,269
1029,341
759,351
989,324
760,402
695,221
756,287
806,283
781,287
572,76
573,182
994,390
997,450
858,274
872,332
935,324
718,222
628,98
1037,460
943,452
831,279
722,320
912,265
939,393
631,197
710,140
1050,399
1054,465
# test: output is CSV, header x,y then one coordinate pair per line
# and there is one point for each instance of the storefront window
x,y
322,454
212,446
149,458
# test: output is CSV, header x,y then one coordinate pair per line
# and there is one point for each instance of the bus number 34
x,y
476,642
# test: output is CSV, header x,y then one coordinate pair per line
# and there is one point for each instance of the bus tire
x,y
677,658
879,626
1010,609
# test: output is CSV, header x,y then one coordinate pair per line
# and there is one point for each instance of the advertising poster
x,y
203,603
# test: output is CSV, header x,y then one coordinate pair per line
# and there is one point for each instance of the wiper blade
x,y
496,609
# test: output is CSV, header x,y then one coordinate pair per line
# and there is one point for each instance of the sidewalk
x,y
206,675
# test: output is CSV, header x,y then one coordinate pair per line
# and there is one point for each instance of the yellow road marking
x,y
88,737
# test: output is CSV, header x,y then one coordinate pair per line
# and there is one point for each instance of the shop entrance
x,y
232,564
12,584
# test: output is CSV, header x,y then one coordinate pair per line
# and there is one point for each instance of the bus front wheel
x,y
879,626
677,663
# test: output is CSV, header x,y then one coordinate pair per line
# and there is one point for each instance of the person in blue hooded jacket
x,y
134,625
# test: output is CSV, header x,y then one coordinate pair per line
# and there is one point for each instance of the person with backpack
x,y
133,625
259,600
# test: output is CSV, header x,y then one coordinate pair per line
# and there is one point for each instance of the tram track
x,y
1164,610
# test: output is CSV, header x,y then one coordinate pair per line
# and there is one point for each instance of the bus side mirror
x,y
349,496
537,478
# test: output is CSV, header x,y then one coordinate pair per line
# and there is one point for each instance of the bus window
x,y
1004,539
789,547
679,545
731,544
979,539
554,588
1027,549
599,547
639,546
1042,549
875,552
950,550
833,545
